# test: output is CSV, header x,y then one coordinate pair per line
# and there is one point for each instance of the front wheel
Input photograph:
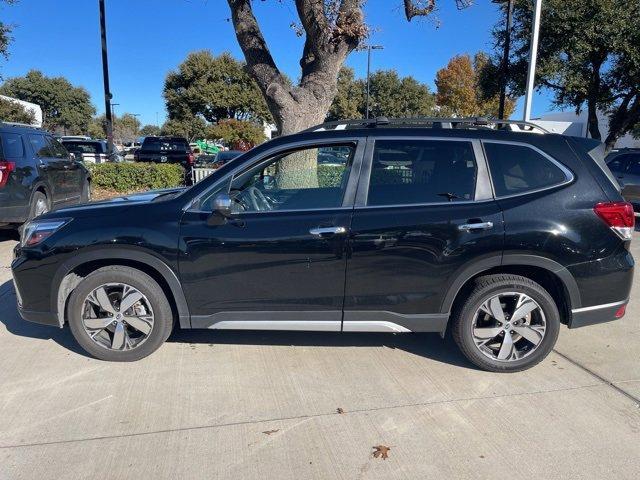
x,y
508,323
119,314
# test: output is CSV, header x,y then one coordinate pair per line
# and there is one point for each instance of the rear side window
x,y
421,171
519,169
40,146
634,164
165,145
12,147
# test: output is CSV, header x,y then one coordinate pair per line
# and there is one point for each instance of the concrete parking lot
x,y
265,405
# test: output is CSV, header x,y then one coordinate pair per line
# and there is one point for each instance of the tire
x,y
473,323
154,301
39,205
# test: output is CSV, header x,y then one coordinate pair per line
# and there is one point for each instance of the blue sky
x,y
148,38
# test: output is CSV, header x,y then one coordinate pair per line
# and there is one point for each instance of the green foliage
x,y
126,128
130,177
5,34
238,134
14,112
65,108
215,88
189,128
330,175
390,96
150,131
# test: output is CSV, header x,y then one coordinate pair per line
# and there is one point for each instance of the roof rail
x,y
432,122
18,124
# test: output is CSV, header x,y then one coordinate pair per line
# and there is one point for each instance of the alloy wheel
x,y
117,316
509,326
41,207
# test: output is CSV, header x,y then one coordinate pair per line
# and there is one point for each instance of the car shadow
x,y
9,234
425,345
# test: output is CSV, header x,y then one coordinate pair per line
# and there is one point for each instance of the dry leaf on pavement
x,y
381,451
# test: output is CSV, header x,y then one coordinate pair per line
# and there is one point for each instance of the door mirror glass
x,y
222,205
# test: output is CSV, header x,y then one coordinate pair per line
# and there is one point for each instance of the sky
x,y
149,38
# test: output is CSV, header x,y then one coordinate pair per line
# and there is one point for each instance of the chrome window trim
x,y
359,141
570,177
482,172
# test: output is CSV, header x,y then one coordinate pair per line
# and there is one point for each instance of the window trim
x,y
483,187
569,176
193,206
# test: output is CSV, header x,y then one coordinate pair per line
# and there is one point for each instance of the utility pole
x,y
504,74
533,58
105,75
369,48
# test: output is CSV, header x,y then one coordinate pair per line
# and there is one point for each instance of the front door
x,y
51,168
279,261
424,214
72,173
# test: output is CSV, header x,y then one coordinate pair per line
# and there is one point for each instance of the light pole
x,y
105,76
504,68
113,109
533,58
369,48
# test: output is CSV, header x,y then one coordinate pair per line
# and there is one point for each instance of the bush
x,y
330,175
129,177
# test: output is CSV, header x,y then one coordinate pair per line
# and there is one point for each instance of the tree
x,y
126,128
214,87
14,112
5,34
150,131
189,128
589,57
349,98
460,89
332,30
241,135
65,108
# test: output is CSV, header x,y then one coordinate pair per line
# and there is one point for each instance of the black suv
x,y
165,150
499,233
36,174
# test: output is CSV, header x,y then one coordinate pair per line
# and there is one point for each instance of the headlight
x,y
37,231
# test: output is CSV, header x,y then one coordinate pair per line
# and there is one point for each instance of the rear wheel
x,y
39,205
119,314
508,323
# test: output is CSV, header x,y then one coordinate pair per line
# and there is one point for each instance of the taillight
x,y
619,216
191,158
5,170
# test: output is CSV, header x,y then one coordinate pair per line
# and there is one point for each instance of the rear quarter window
x,y
517,169
12,146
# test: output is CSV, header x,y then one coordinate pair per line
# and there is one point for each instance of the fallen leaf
x,y
269,432
381,451
340,410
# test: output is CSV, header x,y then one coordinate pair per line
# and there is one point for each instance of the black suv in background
x,y
499,233
625,165
165,150
37,174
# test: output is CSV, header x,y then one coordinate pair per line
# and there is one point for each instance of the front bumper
x,y
582,317
43,318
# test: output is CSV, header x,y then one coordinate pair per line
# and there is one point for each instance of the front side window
x,y
58,150
309,178
519,169
40,146
422,171
618,164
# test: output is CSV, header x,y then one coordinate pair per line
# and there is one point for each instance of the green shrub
x,y
330,175
129,177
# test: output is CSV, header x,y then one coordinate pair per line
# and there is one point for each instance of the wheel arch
x,y
74,270
555,278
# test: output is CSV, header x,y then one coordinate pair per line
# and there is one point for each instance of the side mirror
x,y
221,210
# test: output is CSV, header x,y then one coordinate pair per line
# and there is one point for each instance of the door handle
x,y
467,227
325,231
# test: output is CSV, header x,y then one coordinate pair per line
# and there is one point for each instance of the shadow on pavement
x,y
426,345
7,234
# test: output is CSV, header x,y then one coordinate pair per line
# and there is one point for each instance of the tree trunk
x,y
592,119
623,119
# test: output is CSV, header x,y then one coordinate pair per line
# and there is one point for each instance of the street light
x,y
369,48
113,109
533,58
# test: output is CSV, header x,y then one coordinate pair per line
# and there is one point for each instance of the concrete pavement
x,y
200,406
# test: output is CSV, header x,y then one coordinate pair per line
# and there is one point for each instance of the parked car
x,y
225,156
37,174
500,235
165,150
625,165
92,151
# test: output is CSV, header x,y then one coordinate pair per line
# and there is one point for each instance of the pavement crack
x,y
598,376
295,417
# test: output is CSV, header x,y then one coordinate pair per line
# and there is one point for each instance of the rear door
x,y
51,168
424,218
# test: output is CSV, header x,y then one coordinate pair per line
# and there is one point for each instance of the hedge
x,y
129,177
330,175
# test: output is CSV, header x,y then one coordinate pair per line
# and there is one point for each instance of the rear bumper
x,y
582,317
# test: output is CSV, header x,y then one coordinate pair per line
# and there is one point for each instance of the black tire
x,y
483,289
163,317
38,201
